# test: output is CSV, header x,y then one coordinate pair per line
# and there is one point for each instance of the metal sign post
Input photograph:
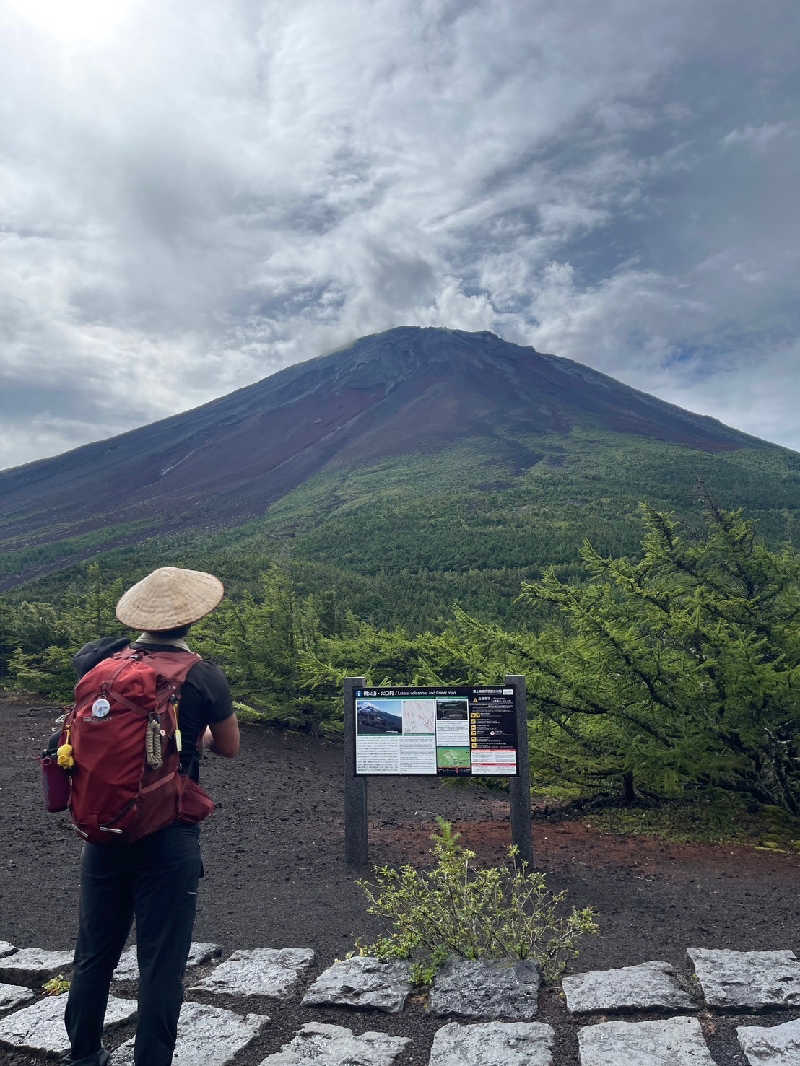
x,y
356,847
520,785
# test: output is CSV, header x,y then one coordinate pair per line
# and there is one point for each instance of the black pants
x,y
154,880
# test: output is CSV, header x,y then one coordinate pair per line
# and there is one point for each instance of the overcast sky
x,y
195,194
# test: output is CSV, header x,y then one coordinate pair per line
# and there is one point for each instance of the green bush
x,y
457,909
56,986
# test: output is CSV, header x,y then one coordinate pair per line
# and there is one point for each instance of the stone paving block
x,y
31,965
260,972
648,986
208,1035
128,968
6,948
320,1044
777,1045
362,981
14,996
40,1026
202,952
674,1042
493,1044
491,989
754,980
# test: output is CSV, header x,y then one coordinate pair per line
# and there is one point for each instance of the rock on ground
x,y
493,1044
492,989
648,986
776,1045
40,1026
260,972
14,996
363,982
34,965
320,1044
674,1042
754,980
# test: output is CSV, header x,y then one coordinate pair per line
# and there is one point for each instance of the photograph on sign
x,y
457,731
379,716
452,710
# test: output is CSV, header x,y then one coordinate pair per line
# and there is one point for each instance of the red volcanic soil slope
x,y
407,390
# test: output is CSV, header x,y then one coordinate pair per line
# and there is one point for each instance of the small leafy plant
x,y
56,986
458,909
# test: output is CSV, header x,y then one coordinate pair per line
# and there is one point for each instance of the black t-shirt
x,y
205,696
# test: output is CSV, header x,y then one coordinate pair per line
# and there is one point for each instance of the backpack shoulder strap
x,y
171,665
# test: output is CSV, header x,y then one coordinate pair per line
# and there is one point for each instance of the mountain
x,y
388,426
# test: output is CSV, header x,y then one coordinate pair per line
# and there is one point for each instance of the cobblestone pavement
x,y
488,1010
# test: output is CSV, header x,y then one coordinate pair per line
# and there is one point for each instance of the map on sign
x,y
457,731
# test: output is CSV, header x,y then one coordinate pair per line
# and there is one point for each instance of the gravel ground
x,y
276,877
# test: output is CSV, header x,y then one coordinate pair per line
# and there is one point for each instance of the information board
x,y
453,731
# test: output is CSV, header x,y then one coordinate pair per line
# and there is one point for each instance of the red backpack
x,y
125,742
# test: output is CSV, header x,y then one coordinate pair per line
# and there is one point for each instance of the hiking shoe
x,y
97,1058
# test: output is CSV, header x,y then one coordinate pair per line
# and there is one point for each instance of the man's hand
x,y
222,737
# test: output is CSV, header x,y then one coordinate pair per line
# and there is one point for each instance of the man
x,y
154,879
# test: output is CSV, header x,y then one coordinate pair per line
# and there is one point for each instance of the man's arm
x,y
223,737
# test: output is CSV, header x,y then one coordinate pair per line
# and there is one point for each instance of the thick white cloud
x,y
196,195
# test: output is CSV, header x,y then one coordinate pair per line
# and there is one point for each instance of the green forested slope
x,y
403,539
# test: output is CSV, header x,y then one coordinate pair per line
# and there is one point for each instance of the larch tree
x,y
678,669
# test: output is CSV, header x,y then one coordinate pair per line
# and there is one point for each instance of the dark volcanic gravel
x,y
276,877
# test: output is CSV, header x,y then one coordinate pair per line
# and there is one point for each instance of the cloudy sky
x,y
195,194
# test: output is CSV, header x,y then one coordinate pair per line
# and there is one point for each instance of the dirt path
x,y
275,874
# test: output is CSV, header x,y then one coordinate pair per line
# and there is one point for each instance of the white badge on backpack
x,y
100,707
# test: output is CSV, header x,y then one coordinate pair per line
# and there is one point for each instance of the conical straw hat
x,y
168,598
